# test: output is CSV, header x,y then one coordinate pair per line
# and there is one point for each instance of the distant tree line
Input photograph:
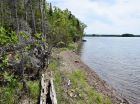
x,y
127,35
107,35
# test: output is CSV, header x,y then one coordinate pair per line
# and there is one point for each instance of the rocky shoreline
x,y
71,61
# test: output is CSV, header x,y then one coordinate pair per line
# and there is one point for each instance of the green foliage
x,y
40,22
65,25
4,62
34,89
8,93
7,96
24,35
10,78
38,36
7,37
61,44
71,46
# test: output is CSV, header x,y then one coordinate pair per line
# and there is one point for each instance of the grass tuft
x,y
84,92
7,95
34,88
71,46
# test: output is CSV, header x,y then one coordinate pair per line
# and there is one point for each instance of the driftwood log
x,y
52,92
48,94
43,94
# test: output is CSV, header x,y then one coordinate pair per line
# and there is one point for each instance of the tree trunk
x,y
16,17
26,13
33,17
43,21
1,10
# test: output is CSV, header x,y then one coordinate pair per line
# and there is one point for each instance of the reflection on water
x,y
116,60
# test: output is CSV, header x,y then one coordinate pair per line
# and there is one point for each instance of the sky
x,y
105,16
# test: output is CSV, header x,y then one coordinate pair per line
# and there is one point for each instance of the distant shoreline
x,y
110,36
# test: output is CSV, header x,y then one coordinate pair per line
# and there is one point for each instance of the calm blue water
x,y
117,61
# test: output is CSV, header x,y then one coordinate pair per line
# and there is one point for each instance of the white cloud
x,y
105,16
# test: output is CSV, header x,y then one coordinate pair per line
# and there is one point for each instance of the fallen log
x,y
48,94
52,92
43,94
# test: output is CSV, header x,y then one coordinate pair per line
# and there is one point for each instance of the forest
x,y
29,30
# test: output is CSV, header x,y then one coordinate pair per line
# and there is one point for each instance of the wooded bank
x,y
28,32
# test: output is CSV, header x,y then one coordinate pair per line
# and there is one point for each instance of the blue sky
x,y
105,16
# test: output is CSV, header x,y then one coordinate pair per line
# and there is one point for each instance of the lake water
x,y
117,61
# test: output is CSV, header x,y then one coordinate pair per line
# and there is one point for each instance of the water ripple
x,y
116,60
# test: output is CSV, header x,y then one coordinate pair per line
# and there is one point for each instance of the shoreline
x,y
72,61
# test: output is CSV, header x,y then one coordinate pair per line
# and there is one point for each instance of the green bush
x,y
71,46
7,37
10,78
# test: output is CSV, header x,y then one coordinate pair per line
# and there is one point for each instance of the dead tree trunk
x,y
16,17
33,17
52,92
43,95
48,94
1,10
26,13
